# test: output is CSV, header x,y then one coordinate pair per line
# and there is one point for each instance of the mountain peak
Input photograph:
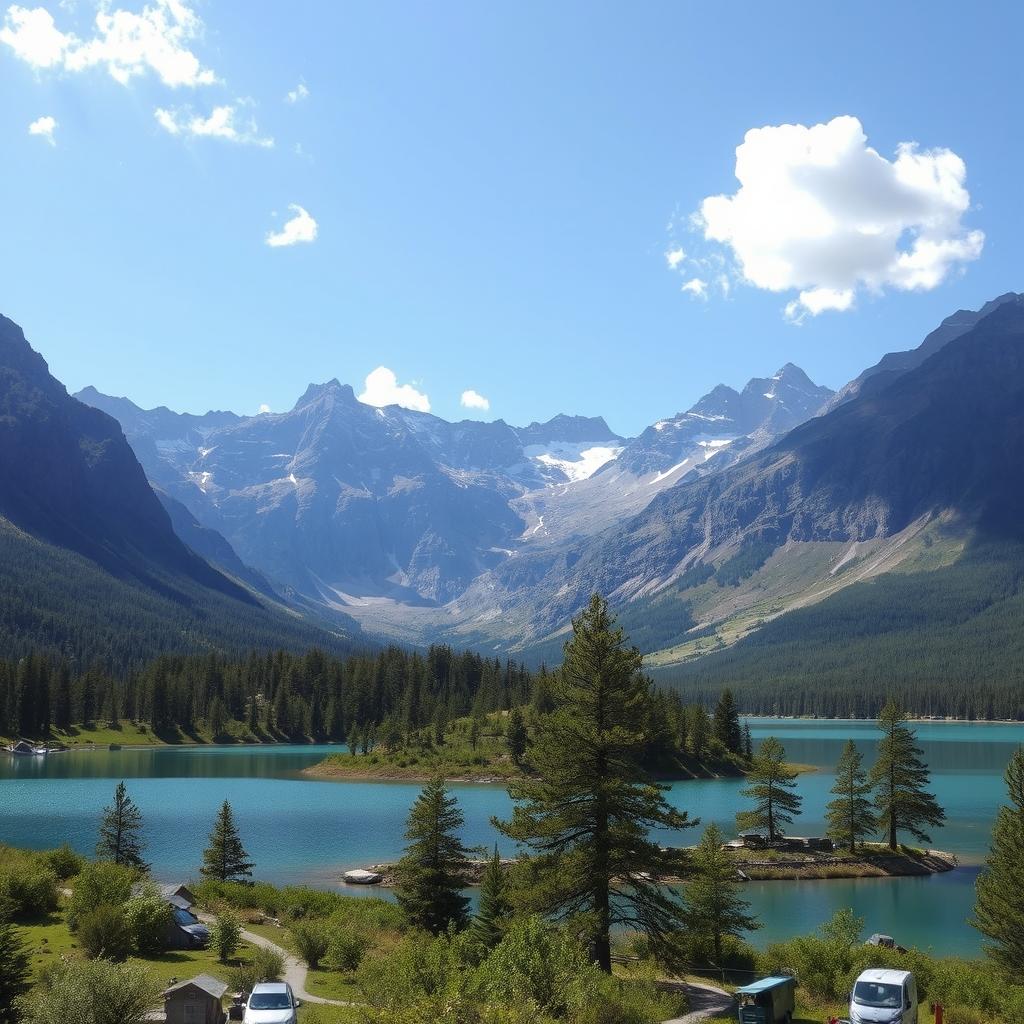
x,y
333,387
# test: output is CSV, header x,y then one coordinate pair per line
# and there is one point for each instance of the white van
x,y
884,996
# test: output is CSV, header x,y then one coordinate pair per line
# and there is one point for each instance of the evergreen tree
x,y
14,971
714,907
900,778
218,718
770,784
999,909
748,742
431,874
849,816
516,736
495,909
588,811
120,838
726,724
225,858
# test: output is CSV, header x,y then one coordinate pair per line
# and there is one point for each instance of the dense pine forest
x,y
59,603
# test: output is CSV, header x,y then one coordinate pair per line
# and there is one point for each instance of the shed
x,y
196,1001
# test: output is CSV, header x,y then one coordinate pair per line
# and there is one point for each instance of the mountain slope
x,y
92,567
852,490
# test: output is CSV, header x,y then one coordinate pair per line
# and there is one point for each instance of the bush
x,y
345,950
91,992
100,882
104,933
149,920
226,936
64,862
311,941
265,965
28,888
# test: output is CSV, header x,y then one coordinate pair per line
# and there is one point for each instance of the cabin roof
x,y
764,984
205,982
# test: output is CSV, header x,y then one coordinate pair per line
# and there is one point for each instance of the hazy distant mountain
x,y
91,565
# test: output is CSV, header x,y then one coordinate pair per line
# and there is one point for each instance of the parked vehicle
x,y
884,996
768,1001
271,1002
191,929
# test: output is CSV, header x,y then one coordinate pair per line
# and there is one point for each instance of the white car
x,y
271,1002
884,996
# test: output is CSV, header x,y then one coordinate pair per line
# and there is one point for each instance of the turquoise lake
x,y
303,831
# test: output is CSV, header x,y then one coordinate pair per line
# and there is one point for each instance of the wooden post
x,y
937,1011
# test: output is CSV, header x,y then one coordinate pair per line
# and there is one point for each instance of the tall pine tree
x,y
849,816
714,907
225,858
588,811
770,784
999,909
432,873
495,909
900,778
726,723
120,838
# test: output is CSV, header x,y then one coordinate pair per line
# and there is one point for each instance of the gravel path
x,y
705,1001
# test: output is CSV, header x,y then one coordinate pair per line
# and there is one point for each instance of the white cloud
x,y
673,257
301,228
225,122
821,212
44,127
382,388
264,409
474,400
300,92
697,287
125,43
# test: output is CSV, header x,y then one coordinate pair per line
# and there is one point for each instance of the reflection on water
x,y
302,831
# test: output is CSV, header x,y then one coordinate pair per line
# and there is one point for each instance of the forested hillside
x,y
945,642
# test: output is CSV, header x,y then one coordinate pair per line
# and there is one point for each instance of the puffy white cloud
x,y
34,37
474,400
697,287
382,388
300,228
125,43
673,257
300,92
224,122
821,212
44,127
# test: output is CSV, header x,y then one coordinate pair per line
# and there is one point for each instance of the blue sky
x,y
495,188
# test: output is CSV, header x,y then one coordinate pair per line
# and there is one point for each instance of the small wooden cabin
x,y
196,1001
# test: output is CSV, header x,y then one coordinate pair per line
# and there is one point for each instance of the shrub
x,y
28,888
265,965
226,936
64,862
345,950
311,940
100,882
149,920
91,992
104,932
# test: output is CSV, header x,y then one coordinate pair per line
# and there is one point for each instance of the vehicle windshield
x,y
876,993
269,1001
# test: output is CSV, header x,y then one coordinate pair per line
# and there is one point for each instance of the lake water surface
x,y
299,830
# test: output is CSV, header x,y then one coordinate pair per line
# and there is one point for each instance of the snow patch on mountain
x,y
576,460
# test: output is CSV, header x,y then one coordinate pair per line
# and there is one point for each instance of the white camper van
x,y
884,996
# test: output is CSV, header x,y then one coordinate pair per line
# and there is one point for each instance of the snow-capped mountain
x,y
358,507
